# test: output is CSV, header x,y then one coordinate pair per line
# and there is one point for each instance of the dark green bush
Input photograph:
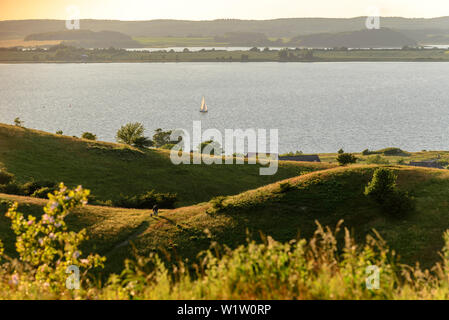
x,y
398,203
88,136
147,200
11,188
394,152
6,177
346,158
31,187
285,187
383,190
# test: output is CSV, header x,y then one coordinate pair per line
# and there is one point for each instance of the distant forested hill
x,y
182,28
383,38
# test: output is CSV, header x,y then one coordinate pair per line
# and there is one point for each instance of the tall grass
x,y
322,267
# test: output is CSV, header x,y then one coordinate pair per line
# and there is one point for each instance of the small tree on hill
x,y
133,135
383,190
18,122
346,158
89,136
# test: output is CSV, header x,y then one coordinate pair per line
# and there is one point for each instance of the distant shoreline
x,y
65,54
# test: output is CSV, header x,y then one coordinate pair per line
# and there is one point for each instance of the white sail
x,y
203,106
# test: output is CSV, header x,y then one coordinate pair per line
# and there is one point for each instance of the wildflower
x,y
30,222
14,279
41,241
76,255
84,261
54,205
52,236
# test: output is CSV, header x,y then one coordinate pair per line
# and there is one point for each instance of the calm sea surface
x,y
317,107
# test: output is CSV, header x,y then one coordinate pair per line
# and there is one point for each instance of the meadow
x,y
233,235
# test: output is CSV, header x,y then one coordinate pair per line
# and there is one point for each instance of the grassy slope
x,y
109,169
327,196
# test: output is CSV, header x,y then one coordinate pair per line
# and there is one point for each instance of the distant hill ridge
x,y
382,38
290,27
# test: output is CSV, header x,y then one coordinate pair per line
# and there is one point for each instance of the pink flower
x,y
84,261
30,222
14,279
54,205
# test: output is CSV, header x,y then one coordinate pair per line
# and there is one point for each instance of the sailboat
x,y
203,106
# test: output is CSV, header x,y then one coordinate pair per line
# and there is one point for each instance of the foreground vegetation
x,y
319,268
201,249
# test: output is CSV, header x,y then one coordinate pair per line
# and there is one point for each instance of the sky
x,y
217,9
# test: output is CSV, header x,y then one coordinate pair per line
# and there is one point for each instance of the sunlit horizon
x,y
132,10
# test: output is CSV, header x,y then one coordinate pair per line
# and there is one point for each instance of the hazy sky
x,y
215,9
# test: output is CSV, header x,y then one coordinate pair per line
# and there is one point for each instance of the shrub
x,y
45,246
88,136
147,200
383,190
31,187
132,134
161,137
142,142
59,132
377,160
18,122
346,158
285,187
366,152
394,152
382,184
11,188
341,151
6,177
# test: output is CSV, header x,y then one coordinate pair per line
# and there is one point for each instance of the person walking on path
x,y
155,210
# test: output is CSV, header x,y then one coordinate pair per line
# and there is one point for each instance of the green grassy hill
x,y
109,169
326,196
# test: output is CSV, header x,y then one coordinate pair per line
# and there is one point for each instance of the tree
x,y
283,54
384,191
60,132
341,151
382,184
346,158
214,147
161,137
18,122
133,135
88,136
